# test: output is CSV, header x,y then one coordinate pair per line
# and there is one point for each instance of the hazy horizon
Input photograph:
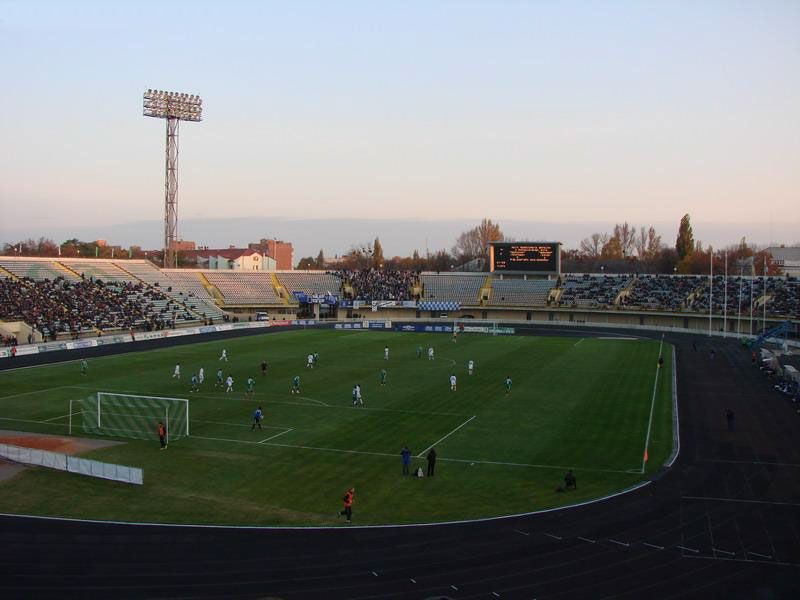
x,y
544,112
399,237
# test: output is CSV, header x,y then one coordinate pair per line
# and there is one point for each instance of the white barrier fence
x,y
72,464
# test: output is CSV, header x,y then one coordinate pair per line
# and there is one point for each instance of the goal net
x,y
133,416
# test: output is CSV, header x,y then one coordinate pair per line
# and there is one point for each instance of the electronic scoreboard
x,y
525,257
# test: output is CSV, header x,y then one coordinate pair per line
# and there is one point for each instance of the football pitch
x,y
586,404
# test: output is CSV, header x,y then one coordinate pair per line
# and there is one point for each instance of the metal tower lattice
x,y
174,108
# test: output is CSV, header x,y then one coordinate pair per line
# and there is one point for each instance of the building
x,y
231,259
281,251
788,259
183,246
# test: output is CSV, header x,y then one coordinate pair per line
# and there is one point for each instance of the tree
x,y
626,236
320,261
684,244
475,242
592,246
612,249
306,263
377,254
648,244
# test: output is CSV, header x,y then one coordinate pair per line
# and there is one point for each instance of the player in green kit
x,y
84,368
419,351
508,385
219,378
295,385
383,376
195,384
251,385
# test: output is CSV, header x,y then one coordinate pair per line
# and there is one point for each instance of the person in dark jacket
x,y
431,457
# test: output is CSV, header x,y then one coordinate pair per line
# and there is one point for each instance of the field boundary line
x,y
578,342
442,459
445,437
676,423
652,406
276,435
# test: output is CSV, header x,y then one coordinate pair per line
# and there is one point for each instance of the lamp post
x,y
174,107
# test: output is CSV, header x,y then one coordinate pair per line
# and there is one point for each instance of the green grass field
x,y
574,404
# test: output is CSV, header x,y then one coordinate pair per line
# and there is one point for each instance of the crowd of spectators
x,y
72,307
8,340
592,290
662,292
374,284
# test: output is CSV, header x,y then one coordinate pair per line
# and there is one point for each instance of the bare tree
x,y
626,236
641,244
592,246
654,245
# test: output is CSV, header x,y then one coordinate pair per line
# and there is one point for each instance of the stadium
x,y
335,376
619,379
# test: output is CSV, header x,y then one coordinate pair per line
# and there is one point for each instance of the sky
x,y
571,114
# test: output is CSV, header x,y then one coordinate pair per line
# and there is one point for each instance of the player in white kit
x,y
470,366
430,353
176,374
224,355
229,383
452,383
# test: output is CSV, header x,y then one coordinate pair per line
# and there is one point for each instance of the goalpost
x,y
132,415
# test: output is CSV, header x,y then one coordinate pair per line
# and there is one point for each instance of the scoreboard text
x,y
525,257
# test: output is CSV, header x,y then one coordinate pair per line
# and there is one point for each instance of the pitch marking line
x,y
30,421
222,397
21,394
234,424
276,435
578,342
56,418
652,406
421,454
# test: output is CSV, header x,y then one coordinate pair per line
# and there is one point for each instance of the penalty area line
x,y
421,454
276,435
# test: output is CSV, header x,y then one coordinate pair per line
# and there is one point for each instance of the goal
x,y
132,416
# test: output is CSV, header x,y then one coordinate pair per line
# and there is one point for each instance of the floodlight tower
x,y
174,107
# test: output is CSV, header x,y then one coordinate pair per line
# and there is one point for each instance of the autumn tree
x,y
612,249
320,260
475,242
377,254
684,244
